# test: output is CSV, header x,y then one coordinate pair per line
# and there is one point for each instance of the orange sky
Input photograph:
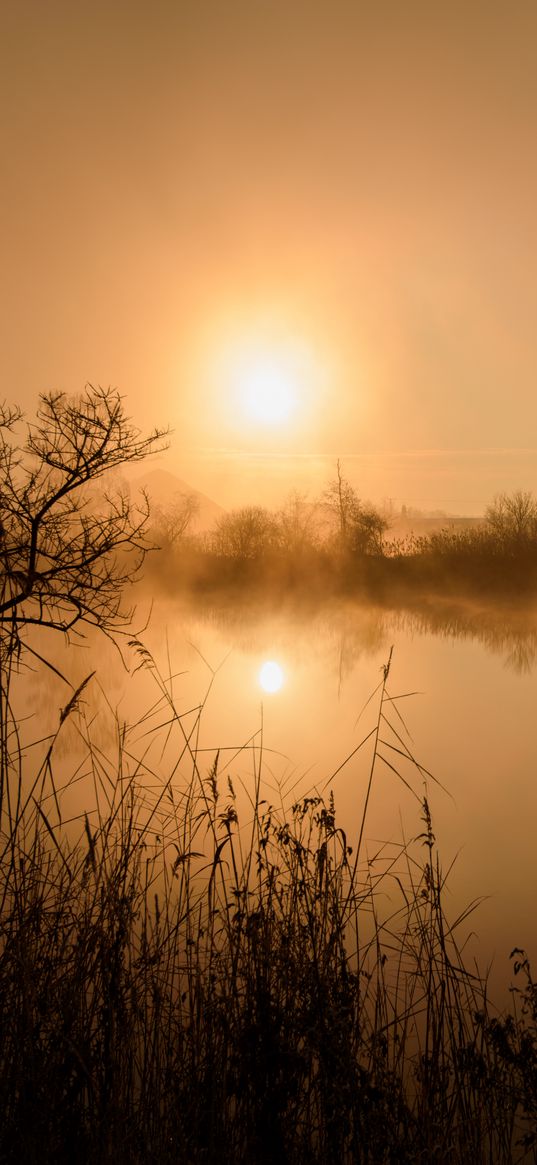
x,y
355,179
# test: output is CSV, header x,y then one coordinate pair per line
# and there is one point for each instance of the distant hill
x,y
163,487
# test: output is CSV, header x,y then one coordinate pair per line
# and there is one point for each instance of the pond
x,y
467,681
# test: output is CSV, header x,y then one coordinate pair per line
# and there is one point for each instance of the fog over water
x,y
471,721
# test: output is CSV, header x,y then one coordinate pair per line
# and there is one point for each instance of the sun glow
x,y
271,676
267,391
259,383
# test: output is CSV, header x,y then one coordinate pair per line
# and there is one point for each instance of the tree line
x,y
72,536
338,521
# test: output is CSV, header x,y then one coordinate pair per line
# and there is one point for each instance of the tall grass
x,y
200,971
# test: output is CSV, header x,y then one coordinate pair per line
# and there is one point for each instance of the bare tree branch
x,y
68,549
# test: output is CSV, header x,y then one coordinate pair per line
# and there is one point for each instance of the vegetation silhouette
x,y
199,967
340,545
67,552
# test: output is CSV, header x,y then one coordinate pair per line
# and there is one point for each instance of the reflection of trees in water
x,y
338,634
359,639
521,658
509,633
342,633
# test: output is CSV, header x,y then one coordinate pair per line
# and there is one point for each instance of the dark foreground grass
x,y
194,973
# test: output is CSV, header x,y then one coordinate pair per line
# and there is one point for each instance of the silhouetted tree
x,y
67,550
513,517
245,533
360,527
297,524
342,502
170,523
367,532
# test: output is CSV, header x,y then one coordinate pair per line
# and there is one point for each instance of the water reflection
x,y
505,631
473,726
346,632
334,640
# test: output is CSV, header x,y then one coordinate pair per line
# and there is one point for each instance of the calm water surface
x,y
472,721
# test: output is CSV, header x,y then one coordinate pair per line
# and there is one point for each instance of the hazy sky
x,y
349,188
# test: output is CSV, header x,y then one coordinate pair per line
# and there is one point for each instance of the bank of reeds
x,y
467,564
195,972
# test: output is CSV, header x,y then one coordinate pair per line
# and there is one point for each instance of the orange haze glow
x,y
292,231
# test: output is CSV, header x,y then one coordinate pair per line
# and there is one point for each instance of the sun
x,y
271,676
262,384
267,391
